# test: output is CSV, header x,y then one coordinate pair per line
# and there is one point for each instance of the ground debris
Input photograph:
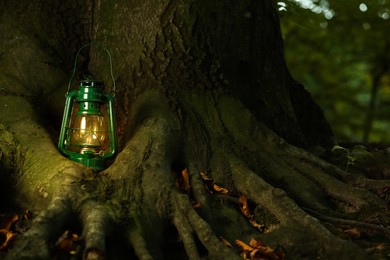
x,y
257,250
12,225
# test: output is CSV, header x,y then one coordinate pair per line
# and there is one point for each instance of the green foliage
x,y
340,52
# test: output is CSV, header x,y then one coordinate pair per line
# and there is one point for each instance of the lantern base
x,y
96,163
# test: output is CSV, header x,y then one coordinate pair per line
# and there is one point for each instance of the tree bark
x,y
201,86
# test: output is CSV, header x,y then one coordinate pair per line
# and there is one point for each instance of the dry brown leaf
x,y
353,233
197,205
380,246
261,246
243,203
8,222
219,189
10,227
6,233
225,242
205,177
67,242
244,207
243,246
7,237
208,182
27,215
260,227
210,185
258,250
185,180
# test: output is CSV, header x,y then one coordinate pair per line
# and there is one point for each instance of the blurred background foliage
x,y
340,51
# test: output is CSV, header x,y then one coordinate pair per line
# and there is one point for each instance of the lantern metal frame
x,y
89,97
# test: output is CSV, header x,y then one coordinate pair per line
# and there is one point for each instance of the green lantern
x,y
88,134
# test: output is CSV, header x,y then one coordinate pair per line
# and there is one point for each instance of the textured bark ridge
x,y
201,86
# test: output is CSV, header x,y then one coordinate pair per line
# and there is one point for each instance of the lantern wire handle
x,y
77,55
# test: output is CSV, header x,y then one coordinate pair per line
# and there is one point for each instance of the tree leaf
x,y
68,242
353,233
225,242
8,237
208,182
185,180
205,176
219,189
197,205
8,222
243,246
260,227
261,246
210,185
257,250
243,203
27,215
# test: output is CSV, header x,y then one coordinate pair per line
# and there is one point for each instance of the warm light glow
x,y
90,133
83,125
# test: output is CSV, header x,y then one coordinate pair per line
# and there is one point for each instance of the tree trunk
x,y
202,87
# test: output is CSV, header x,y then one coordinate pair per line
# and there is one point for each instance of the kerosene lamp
x,y
88,134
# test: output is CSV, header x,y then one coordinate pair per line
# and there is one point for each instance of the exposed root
x,y
136,239
280,162
96,223
202,230
351,223
34,243
339,190
286,210
185,230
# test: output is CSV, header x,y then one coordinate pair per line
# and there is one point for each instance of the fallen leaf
x,y
210,185
257,250
185,180
353,233
244,207
27,215
68,242
208,182
12,226
205,177
197,205
225,242
380,246
261,246
7,237
219,189
243,246
8,222
260,227
6,233
243,203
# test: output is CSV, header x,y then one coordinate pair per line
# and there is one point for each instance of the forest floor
x,y
372,162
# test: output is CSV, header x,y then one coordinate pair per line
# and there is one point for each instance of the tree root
x,y
138,193
194,224
34,242
351,223
96,223
185,230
